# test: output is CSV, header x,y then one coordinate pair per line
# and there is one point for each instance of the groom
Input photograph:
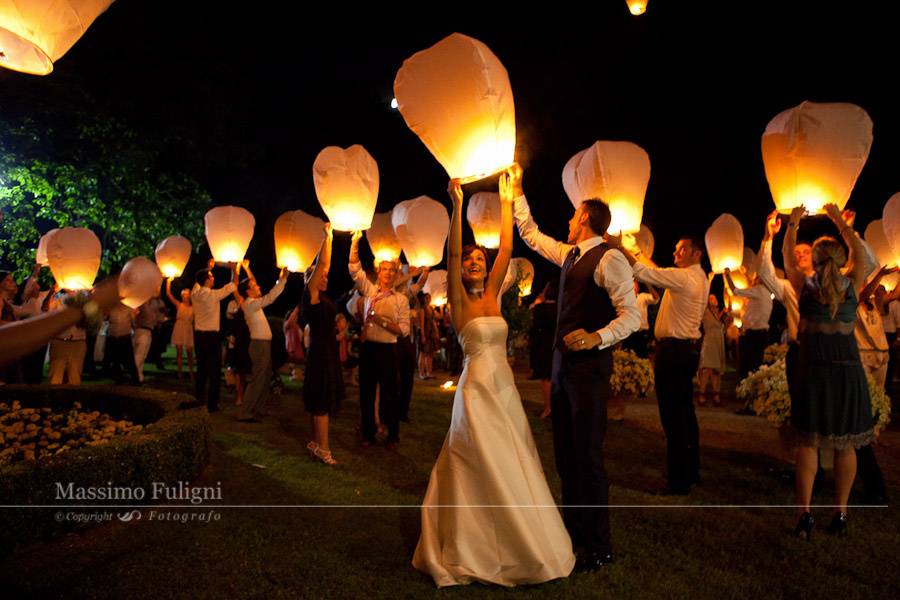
x,y
597,309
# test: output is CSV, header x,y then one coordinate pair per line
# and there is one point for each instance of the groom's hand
x,y
581,340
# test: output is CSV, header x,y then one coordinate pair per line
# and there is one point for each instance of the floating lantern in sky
x,y
346,183
616,173
74,257
524,274
172,255
637,7
456,97
298,237
878,241
421,225
436,287
725,243
483,215
890,216
40,255
813,154
34,34
382,239
229,230
139,281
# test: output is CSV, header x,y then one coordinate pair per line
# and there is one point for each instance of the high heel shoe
x,y
325,456
838,525
803,530
312,447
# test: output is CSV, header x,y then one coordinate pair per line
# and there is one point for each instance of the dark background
x,y
258,89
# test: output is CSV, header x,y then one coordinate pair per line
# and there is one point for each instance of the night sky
x,y
261,94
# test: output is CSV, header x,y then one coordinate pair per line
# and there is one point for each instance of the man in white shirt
x,y
639,341
252,302
386,315
755,330
677,356
596,309
207,339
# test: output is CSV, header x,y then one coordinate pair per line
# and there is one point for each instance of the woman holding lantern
x,y
183,331
830,406
488,457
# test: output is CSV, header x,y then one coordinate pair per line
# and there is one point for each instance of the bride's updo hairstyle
x,y
828,256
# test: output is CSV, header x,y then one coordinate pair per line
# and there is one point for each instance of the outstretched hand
x,y
773,225
614,241
515,179
454,189
797,214
506,191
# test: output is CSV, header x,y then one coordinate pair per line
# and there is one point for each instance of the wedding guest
x,y
183,331
429,338
119,352
147,318
639,341
755,328
712,351
68,348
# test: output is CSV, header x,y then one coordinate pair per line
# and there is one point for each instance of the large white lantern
x,y
483,215
876,238
382,239
641,241
139,281
40,255
421,225
813,154
637,7
616,173
890,216
172,255
725,244
229,230
456,97
524,271
34,34
74,257
346,183
298,237
436,287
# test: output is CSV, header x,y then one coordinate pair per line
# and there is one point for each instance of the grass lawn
x,y
662,551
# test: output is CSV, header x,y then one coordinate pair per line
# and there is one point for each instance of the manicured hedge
x,y
173,447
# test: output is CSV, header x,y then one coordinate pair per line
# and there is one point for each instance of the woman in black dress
x,y
323,384
831,408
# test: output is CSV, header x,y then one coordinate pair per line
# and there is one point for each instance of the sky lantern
x,y
229,230
616,173
456,97
139,281
641,241
346,181
436,287
172,255
877,239
74,257
748,262
890,216
483,215
382,239
740,280
725,243
813,154
298,237
637,7
524,275
40,255
421,225
34,34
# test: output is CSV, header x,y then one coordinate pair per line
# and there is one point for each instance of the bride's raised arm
x,y
456,295
501,262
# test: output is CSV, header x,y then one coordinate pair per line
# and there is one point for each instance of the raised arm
x,y
235,276
323,261
544,245
501,262
870,287
365,287
169,293
856,259
794,275
456,295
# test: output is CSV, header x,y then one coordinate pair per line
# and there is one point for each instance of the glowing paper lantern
x,y
891,223
524,274
421,225
456,97
229,230
483,215
876,238
748,262
36,33
740,280
74,257
616,173
298,237
172,255
725,243
382,239
40,255
813,154
436,286
637,7
346,183
139,281
641,241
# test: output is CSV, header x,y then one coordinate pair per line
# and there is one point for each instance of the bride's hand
x,y
582,340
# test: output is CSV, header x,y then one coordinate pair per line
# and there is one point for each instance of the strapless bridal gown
x,y
488,514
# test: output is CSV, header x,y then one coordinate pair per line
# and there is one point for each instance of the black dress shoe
x,y
589,562
838,525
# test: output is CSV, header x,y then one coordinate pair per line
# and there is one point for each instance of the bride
x,y
488,514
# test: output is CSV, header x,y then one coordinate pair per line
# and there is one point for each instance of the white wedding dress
x,y
488,514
